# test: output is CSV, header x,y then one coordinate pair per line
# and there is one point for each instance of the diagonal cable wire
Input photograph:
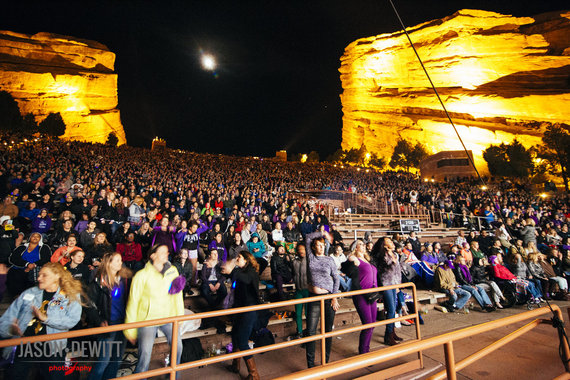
x,y
436,93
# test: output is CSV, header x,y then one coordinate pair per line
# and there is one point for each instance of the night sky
x,y
277,85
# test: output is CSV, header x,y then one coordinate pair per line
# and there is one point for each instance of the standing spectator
x,y
389,273
366,303
301,286
245,281
184,266
323,279
108,294
153,286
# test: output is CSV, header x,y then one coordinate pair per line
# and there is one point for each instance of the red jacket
x,y
503,273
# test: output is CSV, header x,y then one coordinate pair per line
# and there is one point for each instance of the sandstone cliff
x,y
47,73
500,77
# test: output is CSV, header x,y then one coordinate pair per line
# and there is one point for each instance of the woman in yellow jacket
x,y
156,293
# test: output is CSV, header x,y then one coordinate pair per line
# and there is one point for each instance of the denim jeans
x,y
313,316
460,297
108,363
146,337
241,330
345,283
479,293
390,304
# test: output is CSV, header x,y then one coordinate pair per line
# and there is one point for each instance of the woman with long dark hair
x,y
389,273
245,283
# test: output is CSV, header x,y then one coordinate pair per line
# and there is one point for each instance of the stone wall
x,y
48,73
499,76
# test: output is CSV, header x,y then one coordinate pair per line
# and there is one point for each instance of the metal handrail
x,y
361,361
174,367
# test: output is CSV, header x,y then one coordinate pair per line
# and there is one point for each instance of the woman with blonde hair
x,y
108,295
366,303
53,306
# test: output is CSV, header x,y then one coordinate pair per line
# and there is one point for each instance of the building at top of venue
x,y
158,144
447,165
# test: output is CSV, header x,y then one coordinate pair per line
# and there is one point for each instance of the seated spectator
x,y
422,269
416,244
236,246
87,236
62,255
480,276
292,237
213,288
445,282
77,268
465,281
121,233
257,249
337,237
218,245
466,253
500,272
131,253
42,222
277,235
61,234
27,260
95,253
429,256
339,258
281,270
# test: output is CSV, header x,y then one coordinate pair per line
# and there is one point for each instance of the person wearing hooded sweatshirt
x,y
27,260
465,281
502,273
256,247
42,223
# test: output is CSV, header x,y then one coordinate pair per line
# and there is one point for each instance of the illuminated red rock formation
x,y
500,77
48,73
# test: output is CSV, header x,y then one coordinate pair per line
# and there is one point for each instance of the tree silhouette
x,y
10,117
509,160
112,139
53,125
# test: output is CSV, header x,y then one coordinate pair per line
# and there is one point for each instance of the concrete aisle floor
x,y
532,356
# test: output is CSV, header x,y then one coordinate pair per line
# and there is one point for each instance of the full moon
x,y
208,62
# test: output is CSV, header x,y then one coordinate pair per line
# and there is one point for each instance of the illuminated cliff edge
x,y
500,77
47,73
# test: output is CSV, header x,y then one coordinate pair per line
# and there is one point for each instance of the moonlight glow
x,y
208,62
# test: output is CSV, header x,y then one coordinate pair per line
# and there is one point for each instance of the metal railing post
x,y
323,339
174,349
418,333
449,360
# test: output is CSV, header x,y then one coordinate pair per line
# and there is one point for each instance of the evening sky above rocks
x,y
277,85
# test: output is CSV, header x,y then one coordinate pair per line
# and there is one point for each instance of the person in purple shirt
x,y
164,235
218,245
367,279
42,223
323,278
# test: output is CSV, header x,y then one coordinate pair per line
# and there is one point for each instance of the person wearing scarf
x,y
466,283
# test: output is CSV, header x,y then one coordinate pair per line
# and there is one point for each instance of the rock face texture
x,y
499,76
48,73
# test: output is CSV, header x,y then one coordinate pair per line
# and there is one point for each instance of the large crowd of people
x,y
139,230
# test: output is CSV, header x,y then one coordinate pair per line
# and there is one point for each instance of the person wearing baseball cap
x,y
445,282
